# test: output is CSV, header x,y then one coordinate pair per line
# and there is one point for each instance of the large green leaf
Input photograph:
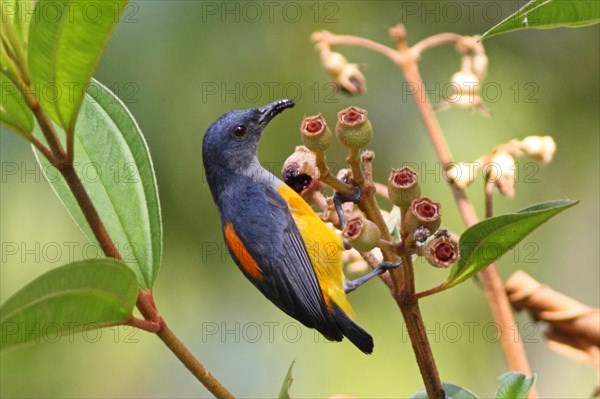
x,y
14,113
452,392
66,41
546,14
78,296
488,240
514,385
114,165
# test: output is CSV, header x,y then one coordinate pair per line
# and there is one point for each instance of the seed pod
x,y
316,135
442,252
423,212
403,187
300,170
353,128
362,234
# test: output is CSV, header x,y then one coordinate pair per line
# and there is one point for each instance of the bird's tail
x,y
352,331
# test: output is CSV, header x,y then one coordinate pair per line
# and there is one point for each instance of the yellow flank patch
x,y
241,253
324,249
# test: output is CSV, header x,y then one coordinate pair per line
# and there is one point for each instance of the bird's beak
x,y
269,111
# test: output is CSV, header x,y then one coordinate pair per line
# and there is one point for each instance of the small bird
x,y
274,236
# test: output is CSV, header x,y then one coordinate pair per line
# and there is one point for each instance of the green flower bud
x,y
423,212
353,128
315,133
403,187
362,234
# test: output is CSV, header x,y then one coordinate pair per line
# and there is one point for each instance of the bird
x,y
273,235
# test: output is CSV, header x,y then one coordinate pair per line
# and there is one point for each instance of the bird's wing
x,y
266,244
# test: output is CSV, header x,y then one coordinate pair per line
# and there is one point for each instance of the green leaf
x,y
284,392
17,14
452,392
547,14
514,385
66,41
79,296
114,165
489,239
14,113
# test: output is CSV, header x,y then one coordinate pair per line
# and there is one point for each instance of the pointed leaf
x,y
284,392
66,41
515,385
14,113
489,239
78,296
547,14
452,392
114,165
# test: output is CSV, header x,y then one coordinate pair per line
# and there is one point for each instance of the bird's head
x,y
231,141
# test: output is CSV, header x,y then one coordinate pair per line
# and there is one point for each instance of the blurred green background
x,y
178,65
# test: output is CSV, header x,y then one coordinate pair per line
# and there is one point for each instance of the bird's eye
x,y
239,131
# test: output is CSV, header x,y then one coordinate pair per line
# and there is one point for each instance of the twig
x,y
513,349
145,302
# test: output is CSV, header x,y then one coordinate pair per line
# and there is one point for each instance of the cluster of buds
x,y
301,170
499,166
353,130
466,83
421,218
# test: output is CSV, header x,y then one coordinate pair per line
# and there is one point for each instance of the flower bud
x,y
316,135
474,58
334,63
479,64
346,76
541,148
362,234
403,187
465,88
300,170
353,128
441,251
423,212
501,172
352,80
462,174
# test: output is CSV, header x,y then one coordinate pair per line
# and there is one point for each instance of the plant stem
x,y
401,279
148,309
145,302
514,351
406,58
88,209
500,306
192,364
